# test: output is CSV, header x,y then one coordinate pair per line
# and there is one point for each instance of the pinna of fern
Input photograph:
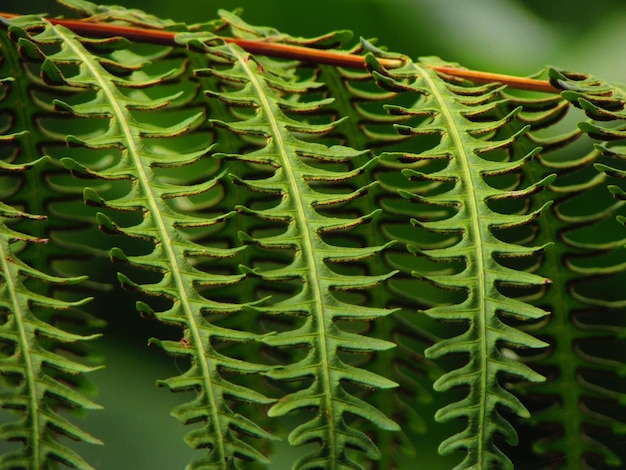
x,y
33,375
36,376
453,111
370,126
300,169
570,410
592,264
352,100
602,102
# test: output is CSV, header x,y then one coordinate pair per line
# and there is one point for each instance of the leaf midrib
x,y
307,249
479,257
153,206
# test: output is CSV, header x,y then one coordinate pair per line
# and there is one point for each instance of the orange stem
x,y
342,59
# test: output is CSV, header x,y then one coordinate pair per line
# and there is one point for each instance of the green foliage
x,y
458,116
344,256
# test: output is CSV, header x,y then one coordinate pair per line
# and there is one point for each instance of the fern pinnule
x,y
240,29
116,13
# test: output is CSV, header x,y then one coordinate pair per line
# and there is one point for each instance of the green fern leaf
x,y
464,142
370,126
25,103
111,13
298,210
34,371
240,29
344,94
588,318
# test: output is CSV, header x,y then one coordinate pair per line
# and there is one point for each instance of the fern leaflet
x,y
34,373
294,182
453,111
589,277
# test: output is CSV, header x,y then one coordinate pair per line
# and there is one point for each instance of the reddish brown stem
x,y
342,59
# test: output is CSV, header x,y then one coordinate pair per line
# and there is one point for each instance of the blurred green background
x,y
506,36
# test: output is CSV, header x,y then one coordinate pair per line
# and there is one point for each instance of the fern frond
x,y
110,97
36,375
292,219
353,99
369,126
574,401
298,210
464,143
